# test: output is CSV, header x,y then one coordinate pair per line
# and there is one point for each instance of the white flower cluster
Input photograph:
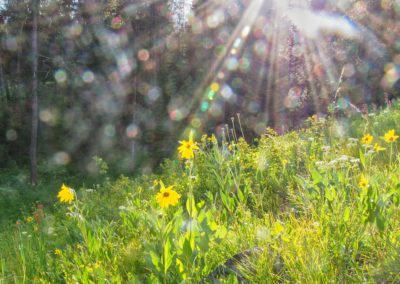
x,y
180,11
340,162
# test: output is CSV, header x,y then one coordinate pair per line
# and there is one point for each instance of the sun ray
x,y
241,31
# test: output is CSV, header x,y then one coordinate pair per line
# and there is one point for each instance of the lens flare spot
x,y
196,123
11,135
61,158
211,95
109,130
132,131
204,106
48,116
116,23
88,76
143,55
214,87
60,76
232,63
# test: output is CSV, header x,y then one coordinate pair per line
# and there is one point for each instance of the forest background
x,y
124,80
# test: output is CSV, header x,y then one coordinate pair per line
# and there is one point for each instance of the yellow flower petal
x,y
367,139
66,194
167,196
186,149
390,136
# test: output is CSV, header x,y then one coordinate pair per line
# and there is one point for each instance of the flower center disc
x,y
166,194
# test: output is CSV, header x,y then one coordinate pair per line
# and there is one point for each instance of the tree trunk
x,y
35,104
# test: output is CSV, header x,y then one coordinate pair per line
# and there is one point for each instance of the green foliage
x,y
314,206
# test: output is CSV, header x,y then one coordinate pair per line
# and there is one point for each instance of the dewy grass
x,y
313,206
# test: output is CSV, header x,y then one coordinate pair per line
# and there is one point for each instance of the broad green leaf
x,y
191,206
330,193
167,257
346,214
316,176
155,259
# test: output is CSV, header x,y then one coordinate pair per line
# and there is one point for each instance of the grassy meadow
x,y
319,205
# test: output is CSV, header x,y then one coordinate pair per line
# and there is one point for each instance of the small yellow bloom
x,y
66,194
186,150
57,252
367,139
167,196
363,183
277,228
378,148
212,139
29,219
390,136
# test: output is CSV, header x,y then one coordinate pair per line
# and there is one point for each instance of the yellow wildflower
x,y
367,139
390,136
186,150
167,196
363,183
66,194
212,139
378,148
57,252
29,219
277,228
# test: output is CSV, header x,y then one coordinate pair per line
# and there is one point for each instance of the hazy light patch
x,y
48,116
215,19
180,11
88,76
349,70
216,110
282,5
204,106
116,23
211,95
153,94
109,130
11,43
392,74
244,65
125,65
245,32
196,123
132,131
231,63
214,87
228,94
260,48
143,55
73,31
312,24
61,158
60,76
11,135
292,100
